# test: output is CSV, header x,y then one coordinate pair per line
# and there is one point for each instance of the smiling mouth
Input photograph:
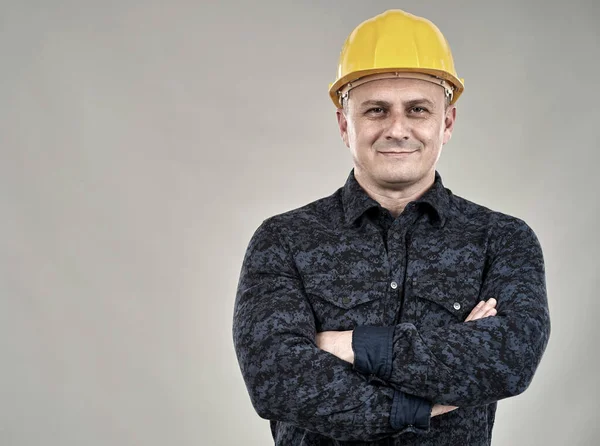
x,y
397,153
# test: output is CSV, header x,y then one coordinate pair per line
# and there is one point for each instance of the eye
x,y
375,111
418,110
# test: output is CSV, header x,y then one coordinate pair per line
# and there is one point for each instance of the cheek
x,y
366,134
430,134
351,132
353,136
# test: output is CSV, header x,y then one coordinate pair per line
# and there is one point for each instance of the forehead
x,y
397,90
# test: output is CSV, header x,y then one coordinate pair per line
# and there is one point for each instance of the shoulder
x,y
321,214
500,226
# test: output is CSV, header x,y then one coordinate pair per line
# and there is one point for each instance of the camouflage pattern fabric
x,y
406,285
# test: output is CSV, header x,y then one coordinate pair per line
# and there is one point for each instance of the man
x,y
392,312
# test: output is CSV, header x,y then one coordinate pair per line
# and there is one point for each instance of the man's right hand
x,y
482,310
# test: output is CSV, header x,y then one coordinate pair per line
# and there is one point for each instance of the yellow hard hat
x,y
395,44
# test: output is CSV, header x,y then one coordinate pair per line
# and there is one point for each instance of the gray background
x,y
142,143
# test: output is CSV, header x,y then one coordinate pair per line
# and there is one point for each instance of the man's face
x,y
395,129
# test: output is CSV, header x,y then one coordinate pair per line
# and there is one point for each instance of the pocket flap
x,y
344,291
458,296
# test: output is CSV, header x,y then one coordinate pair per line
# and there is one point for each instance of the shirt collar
x,y
356,201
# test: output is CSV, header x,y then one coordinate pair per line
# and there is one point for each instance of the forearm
x,y
289,379
305,387
481,361
469,364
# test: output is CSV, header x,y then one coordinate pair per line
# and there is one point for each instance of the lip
x,y
397,153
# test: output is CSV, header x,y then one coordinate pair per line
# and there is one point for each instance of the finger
x,y
438,409
478,311
481,309
474,311
488,311
491,312
487,307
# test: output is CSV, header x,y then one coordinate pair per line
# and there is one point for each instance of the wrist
x,y
344,349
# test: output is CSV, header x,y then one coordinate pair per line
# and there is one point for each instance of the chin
x,y
397,174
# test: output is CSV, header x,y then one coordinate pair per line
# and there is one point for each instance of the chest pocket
x,y
439,301
343,302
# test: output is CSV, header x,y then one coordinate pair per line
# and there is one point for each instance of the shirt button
x,y
346,300
456,306
394,285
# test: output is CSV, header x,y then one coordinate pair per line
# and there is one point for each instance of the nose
x,y
398,127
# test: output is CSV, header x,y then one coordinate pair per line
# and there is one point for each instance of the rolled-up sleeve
x,y
373,350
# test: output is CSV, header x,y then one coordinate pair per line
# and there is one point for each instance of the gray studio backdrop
x,y
142,143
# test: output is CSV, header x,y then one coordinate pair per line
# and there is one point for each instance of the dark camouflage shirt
x,y
405,286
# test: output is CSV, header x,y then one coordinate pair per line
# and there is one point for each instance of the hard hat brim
x,y
351,77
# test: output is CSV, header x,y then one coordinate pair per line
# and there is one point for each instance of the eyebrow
x,y
371,102
386,104
421,101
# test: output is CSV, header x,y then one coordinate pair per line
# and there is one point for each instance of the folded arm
x,y
288,377
342,345
479,361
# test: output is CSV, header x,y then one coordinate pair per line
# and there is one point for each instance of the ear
x,y
343,125
449,119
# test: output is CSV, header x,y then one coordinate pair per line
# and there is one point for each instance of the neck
x,y
394,197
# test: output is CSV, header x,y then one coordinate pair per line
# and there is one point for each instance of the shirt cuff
x,y
372,348
410,413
